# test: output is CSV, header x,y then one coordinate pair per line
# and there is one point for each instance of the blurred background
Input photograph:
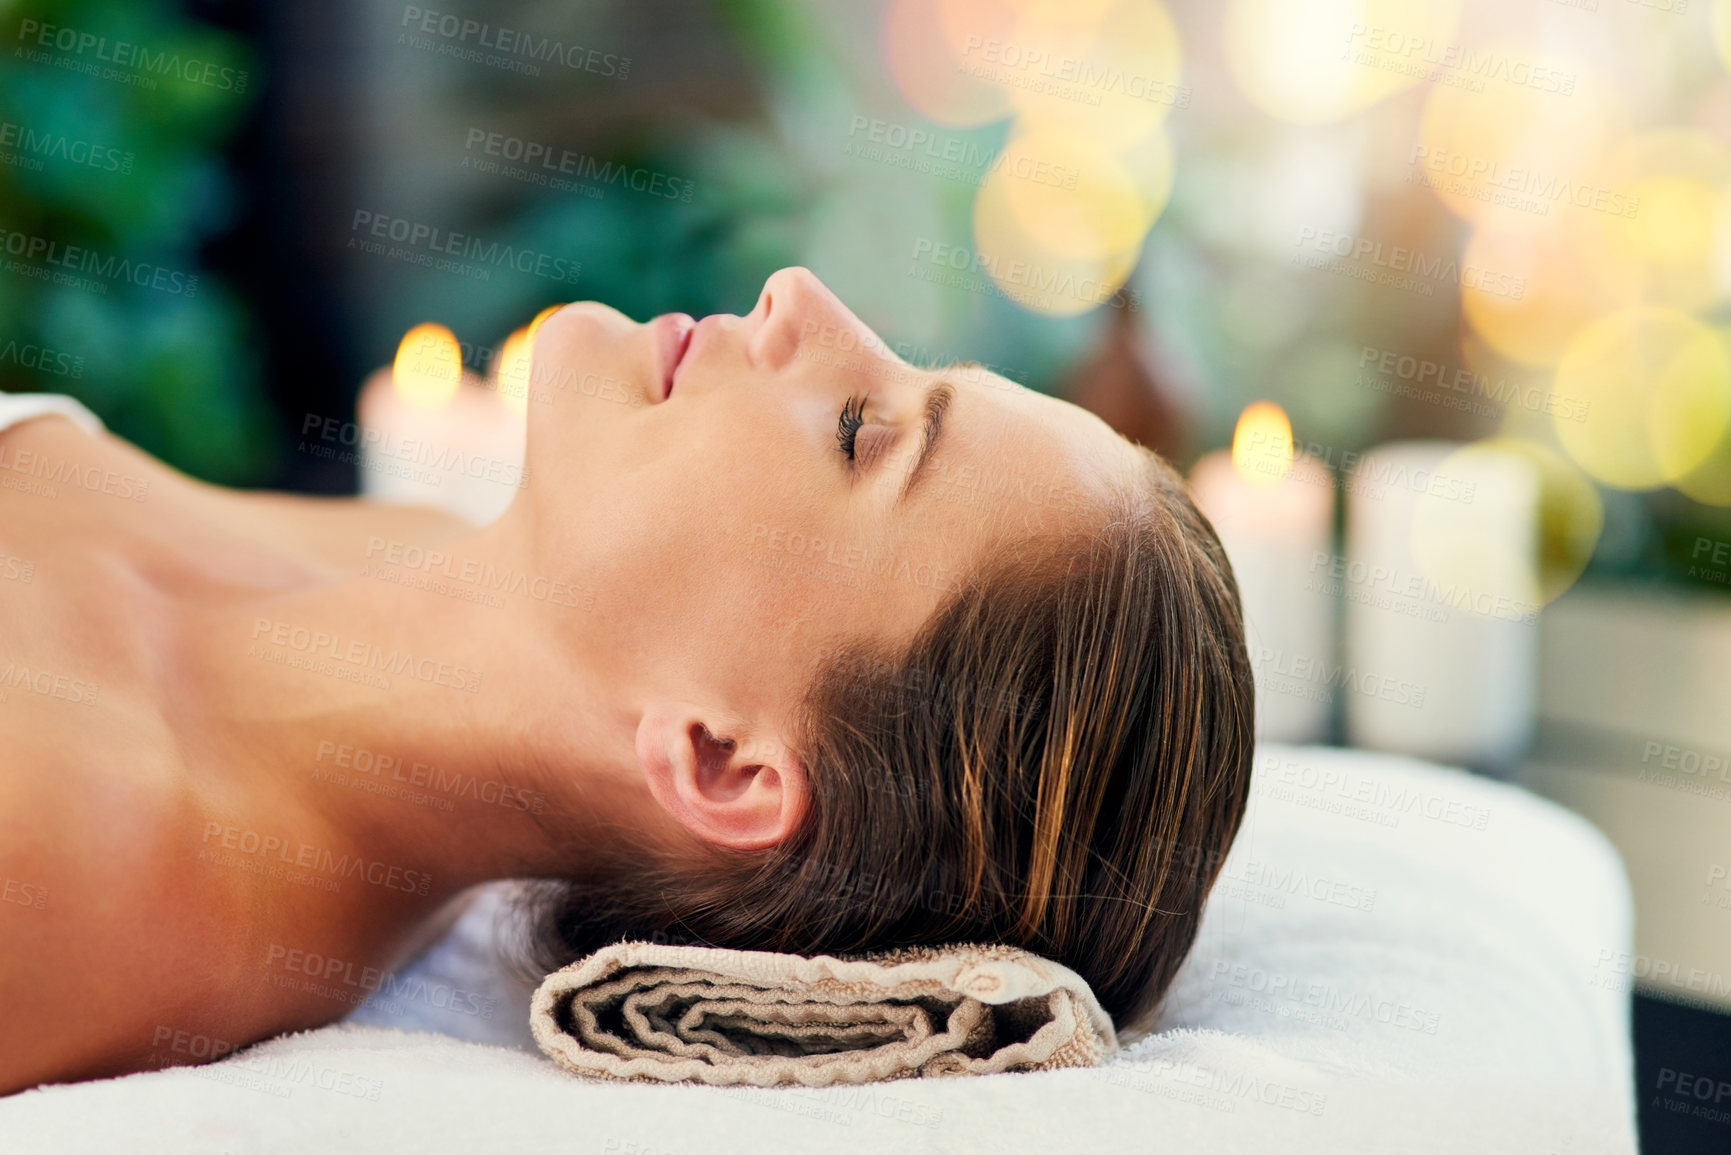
x,y
1428,298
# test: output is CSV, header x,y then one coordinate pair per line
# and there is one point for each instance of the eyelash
x,y
852,417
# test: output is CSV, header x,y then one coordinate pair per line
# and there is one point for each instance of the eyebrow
x,y
938,399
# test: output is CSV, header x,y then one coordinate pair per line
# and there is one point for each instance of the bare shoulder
x,y
53,472
99,935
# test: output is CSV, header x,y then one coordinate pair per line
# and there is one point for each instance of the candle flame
x,y
535,325
511,370
429,366
1262,444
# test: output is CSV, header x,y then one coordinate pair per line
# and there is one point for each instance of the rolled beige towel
x,y
673,1014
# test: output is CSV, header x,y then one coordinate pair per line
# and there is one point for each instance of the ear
x,y
727,783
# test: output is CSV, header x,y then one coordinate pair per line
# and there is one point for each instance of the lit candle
x,y
1274,511
432,435
1442,610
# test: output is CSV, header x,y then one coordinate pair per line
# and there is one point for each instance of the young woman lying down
x,y
865,655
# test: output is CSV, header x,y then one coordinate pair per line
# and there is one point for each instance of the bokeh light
x,y
1719,19
1032,273
1320,61
1108,73
1571,514
1516,154
1710,482
1540,294
1262,444
1482,554
1060,219
428,366
1076,198
935,47
1656,384
511,370
1668,250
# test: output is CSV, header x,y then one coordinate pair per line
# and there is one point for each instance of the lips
x,y
672,339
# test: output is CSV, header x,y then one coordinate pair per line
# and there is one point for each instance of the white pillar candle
x,y
1274,513
431,435
1440,580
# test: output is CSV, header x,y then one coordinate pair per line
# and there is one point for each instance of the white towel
x,y
1400,958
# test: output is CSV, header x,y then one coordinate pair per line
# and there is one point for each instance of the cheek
x,y
691,524
751,557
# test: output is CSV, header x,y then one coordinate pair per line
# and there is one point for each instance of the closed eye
x,y
847,428
862,443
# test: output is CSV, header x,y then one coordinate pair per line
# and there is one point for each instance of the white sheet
x,y
16,408
1400,957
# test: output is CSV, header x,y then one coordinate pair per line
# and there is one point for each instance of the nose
x,y
797,307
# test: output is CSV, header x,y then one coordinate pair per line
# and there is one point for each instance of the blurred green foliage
x,y
113,114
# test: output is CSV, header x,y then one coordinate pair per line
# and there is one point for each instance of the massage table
x,y
1398,957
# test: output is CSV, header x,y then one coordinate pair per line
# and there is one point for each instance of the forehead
x,y
1016,471
1017,433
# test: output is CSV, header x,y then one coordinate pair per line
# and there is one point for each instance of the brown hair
x,y
1058,761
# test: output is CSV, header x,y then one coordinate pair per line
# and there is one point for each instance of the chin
x,y
590,370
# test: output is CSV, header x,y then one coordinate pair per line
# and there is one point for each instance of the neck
x,y
459,733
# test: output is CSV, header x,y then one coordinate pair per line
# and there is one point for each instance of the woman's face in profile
x,y
744,494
